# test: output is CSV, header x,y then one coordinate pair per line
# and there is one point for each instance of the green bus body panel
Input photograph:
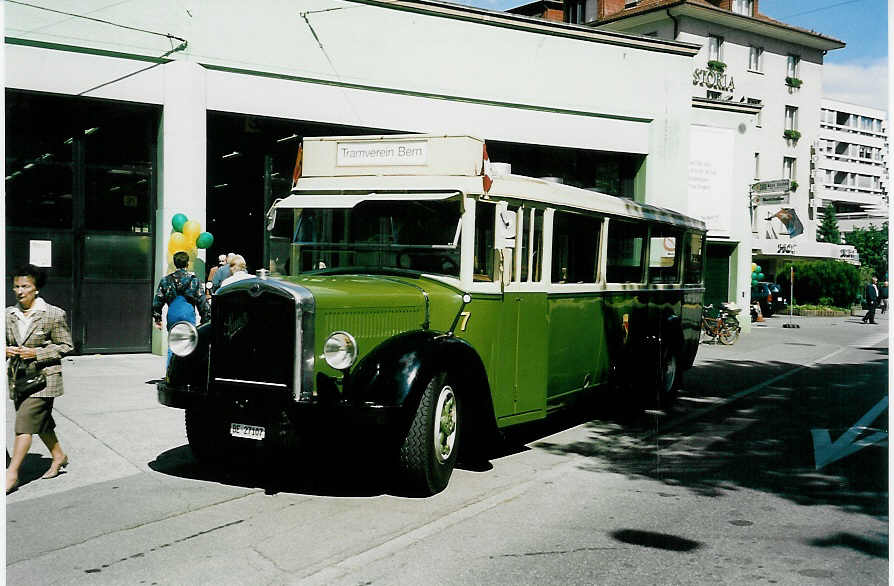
x,y
520,362
538,349
578,355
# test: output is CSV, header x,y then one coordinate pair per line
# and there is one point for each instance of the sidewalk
x,y
108,421
769,340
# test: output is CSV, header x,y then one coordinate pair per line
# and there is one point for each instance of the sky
x,y
857,74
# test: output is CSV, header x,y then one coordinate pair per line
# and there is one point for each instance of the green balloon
x,y
757,269
760,276
204,240
177,222
754,281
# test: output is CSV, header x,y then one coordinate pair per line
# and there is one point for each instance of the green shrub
x,y
819,281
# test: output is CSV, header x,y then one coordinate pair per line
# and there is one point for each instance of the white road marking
x,y
825,452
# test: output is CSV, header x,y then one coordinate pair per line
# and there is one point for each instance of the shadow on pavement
x,y
327,472
762,441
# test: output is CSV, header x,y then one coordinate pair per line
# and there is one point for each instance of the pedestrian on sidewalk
x,y
883,297
37,337
871,301
183,293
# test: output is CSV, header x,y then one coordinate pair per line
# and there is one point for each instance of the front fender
x,y
396,372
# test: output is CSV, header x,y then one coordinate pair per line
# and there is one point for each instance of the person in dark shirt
x,y
183,293
871,301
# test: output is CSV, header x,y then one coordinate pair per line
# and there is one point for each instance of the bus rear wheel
x,y
666,378
429,451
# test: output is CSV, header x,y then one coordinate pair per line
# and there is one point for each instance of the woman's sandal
x,y
51,473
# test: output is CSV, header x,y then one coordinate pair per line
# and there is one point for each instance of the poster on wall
x,y
40,253
710,176
782,222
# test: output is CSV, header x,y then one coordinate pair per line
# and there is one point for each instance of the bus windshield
x,y
418,236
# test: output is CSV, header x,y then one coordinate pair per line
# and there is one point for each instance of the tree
x,y
828,230
872,246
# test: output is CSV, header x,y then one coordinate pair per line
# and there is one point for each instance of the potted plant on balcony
x,y
792,135
793,82
718,66
794,186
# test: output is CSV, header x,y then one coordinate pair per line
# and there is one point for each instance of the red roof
x,y
650,5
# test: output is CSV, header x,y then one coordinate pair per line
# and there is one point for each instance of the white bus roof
x,y
337,172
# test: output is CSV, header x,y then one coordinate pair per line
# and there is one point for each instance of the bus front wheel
x,y
428,453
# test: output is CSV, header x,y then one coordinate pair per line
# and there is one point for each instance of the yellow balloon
x,y
177,243
753,266
191,231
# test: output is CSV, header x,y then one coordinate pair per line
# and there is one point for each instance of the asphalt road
x,y
771,468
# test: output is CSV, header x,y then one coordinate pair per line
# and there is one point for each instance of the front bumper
x,y
315,413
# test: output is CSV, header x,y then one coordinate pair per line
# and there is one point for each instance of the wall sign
x,y
369,154
40,253
713,80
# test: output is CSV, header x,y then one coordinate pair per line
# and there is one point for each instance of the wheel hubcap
x,y
670,372
445,423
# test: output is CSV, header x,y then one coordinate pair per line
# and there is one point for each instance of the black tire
x,y
427,459
730,332
665,379
207,435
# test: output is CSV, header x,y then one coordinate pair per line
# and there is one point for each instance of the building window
x,y
757,166
788,168
744,7
757,117
581,11
715,48
756,58
791,118
793,66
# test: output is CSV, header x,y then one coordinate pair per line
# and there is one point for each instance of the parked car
x,y
779,303
761,295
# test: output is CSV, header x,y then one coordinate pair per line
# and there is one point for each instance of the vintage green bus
x,y
417,288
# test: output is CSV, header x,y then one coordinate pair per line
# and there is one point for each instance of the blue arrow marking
x,y
826,452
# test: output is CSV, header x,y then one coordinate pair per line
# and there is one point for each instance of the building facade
x,y
121,116
851,164
750,59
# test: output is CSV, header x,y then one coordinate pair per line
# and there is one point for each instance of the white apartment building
x,y
746,58
851,164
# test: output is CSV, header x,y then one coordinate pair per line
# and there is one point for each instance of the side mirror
x,y
507,226
271,215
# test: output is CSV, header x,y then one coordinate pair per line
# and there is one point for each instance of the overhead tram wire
x,y
821,8
180,47
100,20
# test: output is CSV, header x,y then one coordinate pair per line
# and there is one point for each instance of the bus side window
x,y
528,261
664,255
693,264
624,263
485,214
575,246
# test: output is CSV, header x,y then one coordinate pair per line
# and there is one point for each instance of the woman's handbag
x,y
26,385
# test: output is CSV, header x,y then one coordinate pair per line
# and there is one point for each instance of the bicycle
x,y
721,324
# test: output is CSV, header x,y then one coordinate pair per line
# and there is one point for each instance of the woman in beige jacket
x,y
37,337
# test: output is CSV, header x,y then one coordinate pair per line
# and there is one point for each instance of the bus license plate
x,y
247,431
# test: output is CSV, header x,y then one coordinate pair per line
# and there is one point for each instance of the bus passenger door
x,y
524,337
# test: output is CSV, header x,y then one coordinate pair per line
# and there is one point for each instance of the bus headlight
x,y
183,338
340,350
